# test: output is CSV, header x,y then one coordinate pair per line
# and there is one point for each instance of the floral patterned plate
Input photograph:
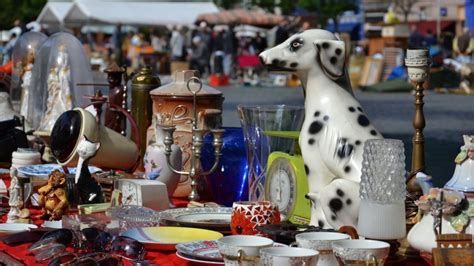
x,y
205,249
198,261
215,218
43,170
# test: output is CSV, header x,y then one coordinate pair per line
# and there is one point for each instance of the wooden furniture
x,y
453,256
454,249
454,241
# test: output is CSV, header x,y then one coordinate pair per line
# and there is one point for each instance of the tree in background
x,y
403,7
329,9
25,10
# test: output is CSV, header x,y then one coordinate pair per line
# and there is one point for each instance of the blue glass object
x,y
229,182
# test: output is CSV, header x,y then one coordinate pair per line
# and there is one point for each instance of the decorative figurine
x,y
447,214
89,190
15,201
156,167
53,196
26,78
463,177
335,128
59,91
117,96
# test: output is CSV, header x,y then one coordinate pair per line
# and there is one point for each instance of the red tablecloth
x,y
20,252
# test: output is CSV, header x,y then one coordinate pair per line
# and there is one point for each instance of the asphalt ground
x,y
448,117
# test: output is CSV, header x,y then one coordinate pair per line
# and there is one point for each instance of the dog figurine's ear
x,y
331,57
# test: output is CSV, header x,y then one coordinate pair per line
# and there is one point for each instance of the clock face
x,y
129,193
281,188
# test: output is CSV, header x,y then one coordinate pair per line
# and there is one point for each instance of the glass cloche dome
x,y
61,63
23,55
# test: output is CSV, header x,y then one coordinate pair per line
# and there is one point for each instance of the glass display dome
x,y
23,56
60,65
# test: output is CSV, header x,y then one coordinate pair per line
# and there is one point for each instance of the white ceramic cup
x,y
288,256
361,252
242,249
321,242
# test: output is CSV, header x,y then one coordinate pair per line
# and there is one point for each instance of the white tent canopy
x,y
54,12
136,13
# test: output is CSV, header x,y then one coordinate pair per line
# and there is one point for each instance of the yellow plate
x,y
166,237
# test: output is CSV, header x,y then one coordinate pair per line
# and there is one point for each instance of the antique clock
x,y
286,182
142,192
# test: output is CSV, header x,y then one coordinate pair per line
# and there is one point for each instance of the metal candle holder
x,y
195,170
418,66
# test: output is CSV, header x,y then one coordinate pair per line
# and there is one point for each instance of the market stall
x,y
254,195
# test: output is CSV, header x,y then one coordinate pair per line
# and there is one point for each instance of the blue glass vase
x,y
229,182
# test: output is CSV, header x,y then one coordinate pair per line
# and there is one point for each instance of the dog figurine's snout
x,y
262,60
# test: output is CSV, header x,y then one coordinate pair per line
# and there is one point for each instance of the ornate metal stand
x,y
195,170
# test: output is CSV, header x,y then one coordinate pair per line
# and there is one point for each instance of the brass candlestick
x,y
418,67
418,64
195,170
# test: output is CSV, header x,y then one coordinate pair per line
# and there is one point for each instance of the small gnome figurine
x,y
53,197
15,201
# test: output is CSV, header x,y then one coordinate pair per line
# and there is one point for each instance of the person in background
x,y
18,28
177,45
199,55
430,39
305,26
156,42
416,39
463,46
218,51
282,32
7,51
229,50
259,43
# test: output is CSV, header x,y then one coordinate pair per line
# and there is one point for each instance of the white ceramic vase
x,y
422,237
156,167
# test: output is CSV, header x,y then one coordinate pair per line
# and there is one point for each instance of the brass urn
x,y
142,83
174,102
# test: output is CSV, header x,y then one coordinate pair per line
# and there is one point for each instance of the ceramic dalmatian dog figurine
x,y
335,126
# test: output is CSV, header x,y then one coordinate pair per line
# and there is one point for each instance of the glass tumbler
x,y
255,120
383,190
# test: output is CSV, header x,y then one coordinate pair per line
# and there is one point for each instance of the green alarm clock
x,y
286,183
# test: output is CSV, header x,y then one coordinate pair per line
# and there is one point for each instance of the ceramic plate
x,y
216,218
166,237
43,170
6,229
196,260
206,250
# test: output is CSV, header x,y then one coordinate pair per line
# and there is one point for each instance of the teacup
x,y
247,215
361,252
288,256
321,241
242,249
